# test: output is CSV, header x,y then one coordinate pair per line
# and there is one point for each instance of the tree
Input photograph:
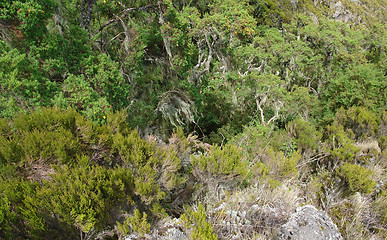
x,y
359,85
269,92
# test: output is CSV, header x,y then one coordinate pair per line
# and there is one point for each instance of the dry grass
x,y
356,218
256,212
4,33
370,145
378,171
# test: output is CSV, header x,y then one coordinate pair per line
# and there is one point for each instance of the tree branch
x,y
124,13
259,103
127,35
164,35
277,107
206,62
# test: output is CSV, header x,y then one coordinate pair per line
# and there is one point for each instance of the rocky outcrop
x,y
169,229
170,234
309,223
173,234
342,13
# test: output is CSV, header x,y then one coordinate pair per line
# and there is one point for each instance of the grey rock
x,y
243,214
136,236
167,229
309,223
294,3
174,234
170,234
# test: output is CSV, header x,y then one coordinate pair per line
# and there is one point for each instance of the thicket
x,y
56,164
267,97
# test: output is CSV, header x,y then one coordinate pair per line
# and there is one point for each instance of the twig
x,y
313,160
126,11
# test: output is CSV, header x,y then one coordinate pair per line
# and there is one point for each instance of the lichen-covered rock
x,y
341,13
167,229
174,234
170,234
309,223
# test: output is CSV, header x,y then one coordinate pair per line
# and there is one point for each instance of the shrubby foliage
x,y
357,178
224,164
201,229
138,223
60,164
269,98
83,196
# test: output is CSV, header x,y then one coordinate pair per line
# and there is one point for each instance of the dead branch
x,y
277,107
124,13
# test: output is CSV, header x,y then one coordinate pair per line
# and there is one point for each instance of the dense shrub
x,y
83,196
356,177
360,121
137,223
340,145
281,166
20,209
305,134
44,137
220,164
261,78
30,14
155,170
83,170
196,223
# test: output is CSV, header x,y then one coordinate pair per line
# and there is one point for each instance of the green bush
x,y
107,81
340,144
10,151
5,210
359,85
24,85
156,171
83,196
281,166
43,137
31,15
46,119
78,171
356,177
137,223
360,121
197,224
20,209
305,134
81,96
225,163
253,139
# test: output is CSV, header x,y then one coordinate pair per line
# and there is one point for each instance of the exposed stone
x,y
309,223
136,236
173,234
294,3
168,229
314,18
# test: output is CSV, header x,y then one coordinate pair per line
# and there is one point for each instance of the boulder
x,y
309,223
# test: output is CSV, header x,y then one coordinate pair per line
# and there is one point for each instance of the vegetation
x,y
117,116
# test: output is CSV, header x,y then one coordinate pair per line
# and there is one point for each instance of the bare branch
x,y
252,67
260,100
127,35
206,62
166,40
124,13
277,107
